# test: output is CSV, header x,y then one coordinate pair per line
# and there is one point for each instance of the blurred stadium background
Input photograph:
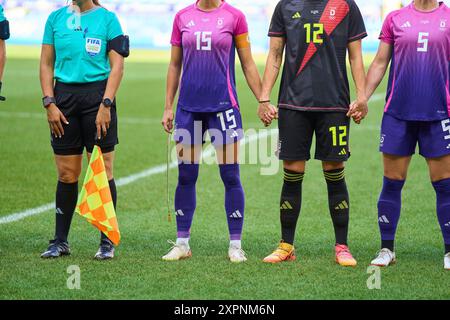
x,y
149,22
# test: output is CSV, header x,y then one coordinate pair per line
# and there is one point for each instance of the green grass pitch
x,y
28,177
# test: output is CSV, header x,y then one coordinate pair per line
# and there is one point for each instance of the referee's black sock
x,y
112,187
66,201
339,203
290,204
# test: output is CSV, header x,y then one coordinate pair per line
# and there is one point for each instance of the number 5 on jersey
x,y
423,42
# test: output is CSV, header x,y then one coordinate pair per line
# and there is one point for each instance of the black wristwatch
x,y
107,102
47,101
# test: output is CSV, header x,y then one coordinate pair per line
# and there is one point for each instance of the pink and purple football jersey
x,y
209,40
418,87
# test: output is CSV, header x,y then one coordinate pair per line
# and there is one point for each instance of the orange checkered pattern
x,y
95,201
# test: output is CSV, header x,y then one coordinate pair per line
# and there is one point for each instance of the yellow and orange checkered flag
x,y
95,201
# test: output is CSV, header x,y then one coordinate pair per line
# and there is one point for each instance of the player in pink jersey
x,y
416,40
204,41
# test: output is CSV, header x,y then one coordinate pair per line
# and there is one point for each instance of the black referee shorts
x,y
297,128
80,104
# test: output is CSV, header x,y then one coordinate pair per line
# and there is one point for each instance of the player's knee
x,y
188,174
329,166
230,175
439,176
393,175
68,175
295,166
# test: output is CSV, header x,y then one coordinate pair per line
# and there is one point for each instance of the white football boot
x,y
385,258
447,261
178,251
236,254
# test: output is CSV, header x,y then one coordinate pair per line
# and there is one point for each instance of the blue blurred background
x,y
149,22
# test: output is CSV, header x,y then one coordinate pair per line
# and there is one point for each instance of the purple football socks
x,y
234,199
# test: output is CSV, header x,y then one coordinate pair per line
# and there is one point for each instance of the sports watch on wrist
x,y
107,102
47,101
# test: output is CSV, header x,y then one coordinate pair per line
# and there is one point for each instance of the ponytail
x,y
96,2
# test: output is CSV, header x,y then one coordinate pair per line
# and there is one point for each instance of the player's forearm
x,y
253,78
173,80
273,65
359,77
374,77
270,75
378,68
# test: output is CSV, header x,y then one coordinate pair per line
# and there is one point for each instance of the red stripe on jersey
x,y
310,52
333,14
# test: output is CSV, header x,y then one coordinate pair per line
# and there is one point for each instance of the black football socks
x,y
66,201
113,188
290,204
339,203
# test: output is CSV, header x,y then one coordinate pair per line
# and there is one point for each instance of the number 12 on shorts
x,y
339,135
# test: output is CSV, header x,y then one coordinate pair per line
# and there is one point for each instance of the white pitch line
x,y
27,213
126,180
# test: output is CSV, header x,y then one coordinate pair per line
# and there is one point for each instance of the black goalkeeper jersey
x,y
317,34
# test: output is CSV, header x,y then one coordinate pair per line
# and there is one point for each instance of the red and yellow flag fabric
x,y
95,201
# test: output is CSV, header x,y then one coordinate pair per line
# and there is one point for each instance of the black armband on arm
x,y
4,30
121,45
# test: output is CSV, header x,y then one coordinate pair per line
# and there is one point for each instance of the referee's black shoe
x,y
105,251
56,249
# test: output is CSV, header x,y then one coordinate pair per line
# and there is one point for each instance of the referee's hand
x,y
103,121
55,120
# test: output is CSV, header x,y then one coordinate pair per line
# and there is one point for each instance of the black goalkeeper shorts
x,y
297,128
80,104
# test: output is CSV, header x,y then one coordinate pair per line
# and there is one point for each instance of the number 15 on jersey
x,y
204,40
